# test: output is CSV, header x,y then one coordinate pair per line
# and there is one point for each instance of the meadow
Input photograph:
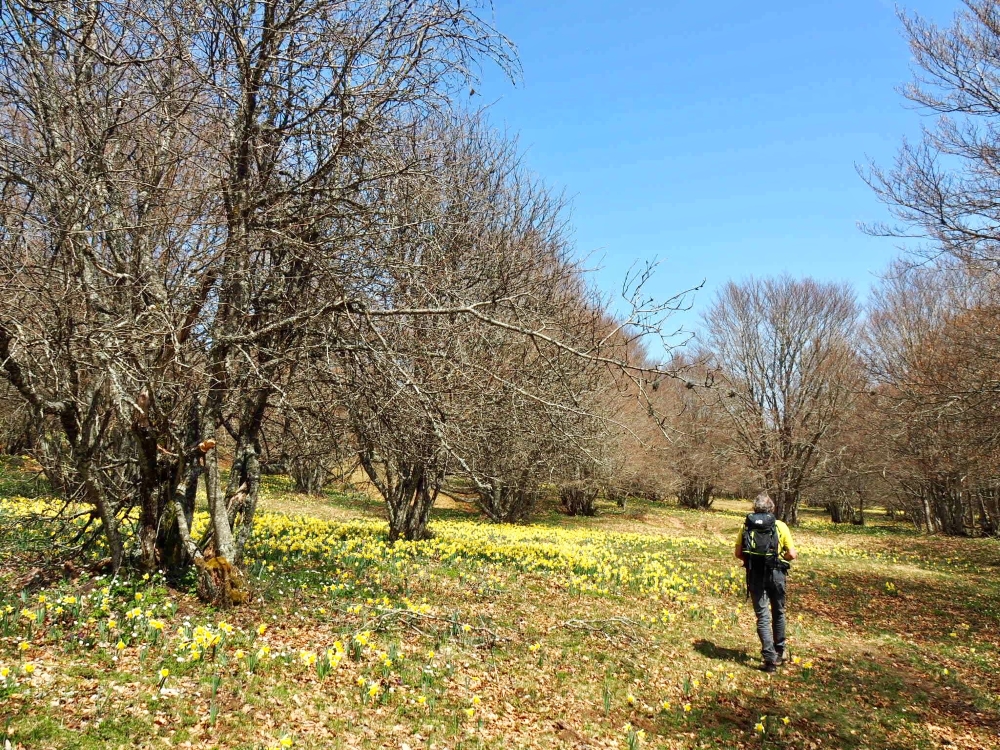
x,y
626,630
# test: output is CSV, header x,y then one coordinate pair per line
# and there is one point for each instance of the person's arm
x,y
789,552
738,552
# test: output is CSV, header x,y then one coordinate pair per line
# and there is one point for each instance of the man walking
x,y
764,546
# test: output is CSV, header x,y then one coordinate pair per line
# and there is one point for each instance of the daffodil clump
x,y
583,561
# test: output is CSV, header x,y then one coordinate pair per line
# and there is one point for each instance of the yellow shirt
x,y
784,538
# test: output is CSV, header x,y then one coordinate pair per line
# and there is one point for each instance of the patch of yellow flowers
x,y
582,560
585,561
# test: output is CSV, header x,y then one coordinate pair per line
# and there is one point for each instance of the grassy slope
x,y
544,646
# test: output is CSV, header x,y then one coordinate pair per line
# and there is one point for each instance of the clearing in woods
x,y
628,630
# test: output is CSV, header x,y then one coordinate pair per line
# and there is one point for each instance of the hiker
x,y
764,546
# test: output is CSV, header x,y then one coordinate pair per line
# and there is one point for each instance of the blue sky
x,y
720,137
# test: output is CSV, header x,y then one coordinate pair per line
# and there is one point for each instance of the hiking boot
x,y
770,667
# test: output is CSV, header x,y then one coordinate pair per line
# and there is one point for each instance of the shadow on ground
x,y
879,700
714,651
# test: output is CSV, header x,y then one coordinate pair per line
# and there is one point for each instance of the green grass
x,y
21,477
539,660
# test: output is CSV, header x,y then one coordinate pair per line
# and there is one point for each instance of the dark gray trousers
x,y
767,591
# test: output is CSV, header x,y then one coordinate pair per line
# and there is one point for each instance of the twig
x,y
407,616
611,627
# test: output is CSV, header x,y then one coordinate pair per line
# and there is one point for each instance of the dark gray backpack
x,y
760,542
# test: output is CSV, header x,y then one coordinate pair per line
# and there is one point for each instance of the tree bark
x,y
578,500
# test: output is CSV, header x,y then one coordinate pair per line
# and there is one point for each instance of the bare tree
x,y
933,328
637,460
931,347
206,206
944,188
98,202
485,388
19,430
695,442
183,189
544,416
306,432
852,467
786,372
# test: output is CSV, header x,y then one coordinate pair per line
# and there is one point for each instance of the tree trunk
x,y
308,474
858,517
786,506
409,521
505,503
251,480
578,500
149,492
174,555
408,494
220,582
987,517
840,510
177,548
695,493
221,531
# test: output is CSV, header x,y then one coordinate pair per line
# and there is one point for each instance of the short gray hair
x,y
763,504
